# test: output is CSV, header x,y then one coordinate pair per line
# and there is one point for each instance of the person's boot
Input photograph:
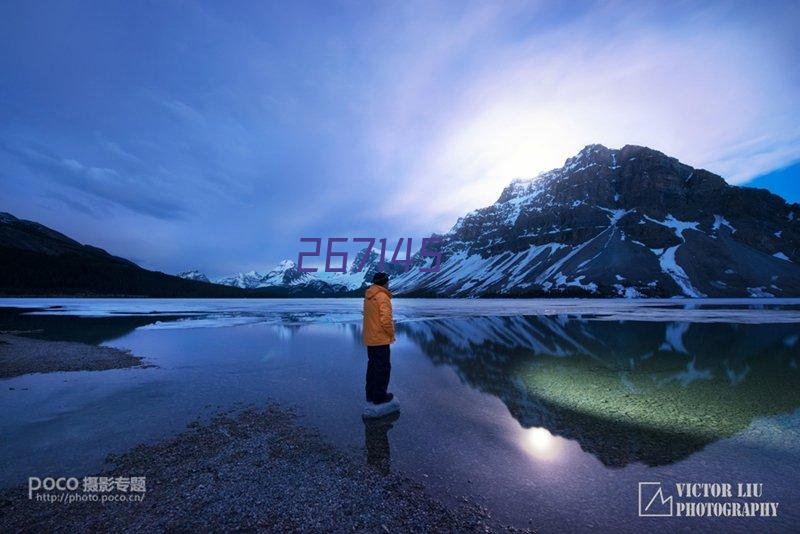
x,y
386,398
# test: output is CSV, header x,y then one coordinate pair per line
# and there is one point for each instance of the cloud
x,y
138,195
95,210
117,150
706,88
181,110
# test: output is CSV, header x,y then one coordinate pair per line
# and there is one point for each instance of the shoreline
x,y
260,470
21,355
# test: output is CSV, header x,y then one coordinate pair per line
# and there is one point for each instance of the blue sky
x,y
214,135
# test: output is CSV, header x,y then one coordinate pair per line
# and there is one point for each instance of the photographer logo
x,y
652,502
705,499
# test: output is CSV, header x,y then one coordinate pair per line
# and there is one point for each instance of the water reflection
x,y
626,391
376,441
91,330
541,444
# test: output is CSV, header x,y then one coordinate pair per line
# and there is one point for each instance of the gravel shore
x,y
258,470
21,355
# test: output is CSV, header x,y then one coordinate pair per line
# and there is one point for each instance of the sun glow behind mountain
x,y
529,106
506,142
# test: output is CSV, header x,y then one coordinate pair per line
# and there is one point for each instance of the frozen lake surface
x,y
227,312
548,412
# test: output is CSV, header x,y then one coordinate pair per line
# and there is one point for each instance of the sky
x,y
213,135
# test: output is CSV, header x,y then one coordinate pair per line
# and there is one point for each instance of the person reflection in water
x,y
378,334
376,441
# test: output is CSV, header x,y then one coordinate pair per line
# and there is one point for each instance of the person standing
x,y
378,334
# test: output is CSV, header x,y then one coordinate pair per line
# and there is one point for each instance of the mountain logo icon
x,y
652,502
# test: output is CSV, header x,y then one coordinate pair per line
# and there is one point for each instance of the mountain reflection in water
x,y
649,392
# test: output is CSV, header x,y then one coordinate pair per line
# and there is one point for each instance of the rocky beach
x,y
256,470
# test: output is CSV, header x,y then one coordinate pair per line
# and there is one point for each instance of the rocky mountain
x,y
194,275
248,280
620,223
36,260
286,276
631,222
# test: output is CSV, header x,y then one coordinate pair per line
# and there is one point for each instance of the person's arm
x,y
385,312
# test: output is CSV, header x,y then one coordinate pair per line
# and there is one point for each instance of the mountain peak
x,y
621,222
593,148
284,265
588,152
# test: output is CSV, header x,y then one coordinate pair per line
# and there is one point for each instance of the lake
x,y
548,412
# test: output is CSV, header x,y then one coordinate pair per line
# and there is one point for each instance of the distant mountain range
x,y
286,275
631,222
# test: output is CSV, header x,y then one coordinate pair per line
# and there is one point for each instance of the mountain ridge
x,y
38,261
624,222
628,222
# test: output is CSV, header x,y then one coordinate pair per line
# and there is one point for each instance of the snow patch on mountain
x,y
677,226
720,221
669,265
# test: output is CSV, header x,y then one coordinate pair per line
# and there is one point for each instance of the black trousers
x,y
378,369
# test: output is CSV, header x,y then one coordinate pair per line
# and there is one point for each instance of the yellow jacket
x,y
378,324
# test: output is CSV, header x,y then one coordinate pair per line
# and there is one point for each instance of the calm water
x,y
547,412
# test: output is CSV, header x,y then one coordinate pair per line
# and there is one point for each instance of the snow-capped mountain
x,y
355,279
194,275
285,273
628,222
631,222
286,276
246,280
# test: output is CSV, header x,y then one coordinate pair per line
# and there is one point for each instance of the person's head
x,y
381,279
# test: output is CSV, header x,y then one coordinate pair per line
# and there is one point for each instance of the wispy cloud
x,y
706,88
95,210
116,149
181,110
137,195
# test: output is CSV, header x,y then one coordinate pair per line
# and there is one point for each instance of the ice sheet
x,y
202,313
